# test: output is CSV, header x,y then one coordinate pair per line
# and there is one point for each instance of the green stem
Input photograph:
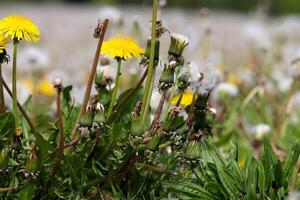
x,y
2,102
114,94
151,70
14,86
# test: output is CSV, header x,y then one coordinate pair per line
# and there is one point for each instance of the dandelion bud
x,y
183,82
32,163
193,150
86,120
3,158
167,78
154,143
148,49
19,132
57,82
178,43
135,122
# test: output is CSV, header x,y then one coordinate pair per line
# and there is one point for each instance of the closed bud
x,y
136,128
178,43
148,49
193,150
167,78
154,143
183,82
3,158
86,120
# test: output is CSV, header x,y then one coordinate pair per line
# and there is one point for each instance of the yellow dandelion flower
x,y
18,132
46,88
19,27
3,43
123,47
235,80
186,100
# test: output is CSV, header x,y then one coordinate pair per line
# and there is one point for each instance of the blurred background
x,y
242,38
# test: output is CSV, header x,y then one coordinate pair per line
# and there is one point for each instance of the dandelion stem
x,y
179,100
91,76
115,91
132,91
7,189
26,116
2,101
60,149
14,86
151,68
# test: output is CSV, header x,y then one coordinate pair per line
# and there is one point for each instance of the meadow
x,y
103,102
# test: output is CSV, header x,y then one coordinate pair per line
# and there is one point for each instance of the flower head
x,y
186,100
19,27
3,55
121,47
3,43
204,77
178,43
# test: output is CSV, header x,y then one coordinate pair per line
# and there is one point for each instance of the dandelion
x,y
226,89
178,43
204,77
34,58
186,99
46,88
18,27
120,48
3,58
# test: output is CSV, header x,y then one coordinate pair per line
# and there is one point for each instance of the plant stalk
x,y
115,91
151,68
158,112
133,91
60,149
14,86
88,89
26,116
2,101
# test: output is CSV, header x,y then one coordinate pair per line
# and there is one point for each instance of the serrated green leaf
x,y
291,161
190,190
261,180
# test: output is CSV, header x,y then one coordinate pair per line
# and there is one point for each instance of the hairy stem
x,y
115,91
91,76
2,101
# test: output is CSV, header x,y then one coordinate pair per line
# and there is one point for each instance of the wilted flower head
x,y
121,47
34,58
226,88
19,27
260,130
204,77
177,45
